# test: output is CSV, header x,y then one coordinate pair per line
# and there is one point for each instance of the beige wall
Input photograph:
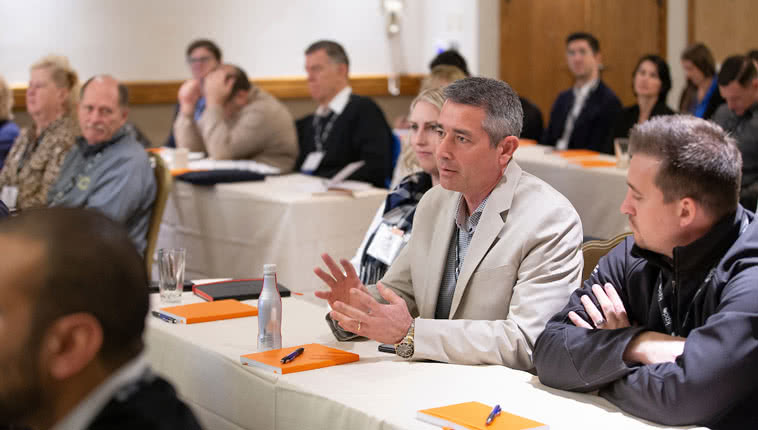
x,y
155,120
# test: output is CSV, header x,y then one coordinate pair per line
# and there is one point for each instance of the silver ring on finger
x,y
359,326
601,322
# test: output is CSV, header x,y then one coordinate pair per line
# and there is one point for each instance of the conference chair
x,y
163,180
594,250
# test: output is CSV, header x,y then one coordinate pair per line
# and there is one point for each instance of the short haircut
x,y
90,265
207,44
241,81
451,57
699,55
6,100
123,91
592,40
698,160
504,115
333,50
663,74
63,75
738,68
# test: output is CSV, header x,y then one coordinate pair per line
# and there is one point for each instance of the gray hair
x,y
333,50
504,115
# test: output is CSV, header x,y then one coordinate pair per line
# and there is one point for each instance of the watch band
x,y
405,348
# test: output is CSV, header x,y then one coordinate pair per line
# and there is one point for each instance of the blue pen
x,y
495,412
164,317
287,358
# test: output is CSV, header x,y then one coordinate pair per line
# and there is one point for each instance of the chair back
x,y
594,250
164,181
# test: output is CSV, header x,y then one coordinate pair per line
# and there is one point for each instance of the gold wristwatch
x,y
404,349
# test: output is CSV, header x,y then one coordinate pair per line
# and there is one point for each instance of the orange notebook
x,y
595,163
207,311
314,356
473,415
571,153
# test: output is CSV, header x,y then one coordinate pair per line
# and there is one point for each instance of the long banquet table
x,y
381,391
595,192
232,230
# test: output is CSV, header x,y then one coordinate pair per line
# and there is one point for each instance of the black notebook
x,y
240,289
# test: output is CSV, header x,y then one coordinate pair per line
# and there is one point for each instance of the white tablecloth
x,y
232,230
595,192
381,391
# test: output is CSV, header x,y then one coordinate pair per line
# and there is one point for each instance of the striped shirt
x,y
465,226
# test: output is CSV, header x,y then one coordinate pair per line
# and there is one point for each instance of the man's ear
x,y
70,344
505,149
688,211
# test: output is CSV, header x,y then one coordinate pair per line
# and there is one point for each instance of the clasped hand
x,y
356,310
613,313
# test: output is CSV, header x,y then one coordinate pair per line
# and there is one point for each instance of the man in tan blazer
x,y
240,122
494,252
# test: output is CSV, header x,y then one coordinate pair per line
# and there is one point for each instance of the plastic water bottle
x,y
269,312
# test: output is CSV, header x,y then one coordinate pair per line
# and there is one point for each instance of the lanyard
x,y
664,308
322,131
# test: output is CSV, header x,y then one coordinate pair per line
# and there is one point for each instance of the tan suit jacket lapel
x,y
437,256
488,230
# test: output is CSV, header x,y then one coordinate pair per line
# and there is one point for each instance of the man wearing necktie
x,y
345,127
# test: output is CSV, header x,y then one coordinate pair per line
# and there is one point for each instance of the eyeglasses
x,y
198,60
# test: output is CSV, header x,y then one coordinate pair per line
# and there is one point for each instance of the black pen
x,y
287,358
164,317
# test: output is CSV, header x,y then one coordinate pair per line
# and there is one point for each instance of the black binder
x,y
240,289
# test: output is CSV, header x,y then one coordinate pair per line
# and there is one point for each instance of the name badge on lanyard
x,y
387,243
9,195
312,161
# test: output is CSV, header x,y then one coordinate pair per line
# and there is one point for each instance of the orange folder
x,y
314,356
473,416
527,142
595,163
571,153
209,311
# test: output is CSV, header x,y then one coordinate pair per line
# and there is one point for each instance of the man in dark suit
x,y
582,116
345,127
73,301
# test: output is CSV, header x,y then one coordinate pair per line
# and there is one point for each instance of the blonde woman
x,y
395,215
34,162
8,129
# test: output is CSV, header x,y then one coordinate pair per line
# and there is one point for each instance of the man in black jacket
x,y
345,127
582,116
665,327
73,302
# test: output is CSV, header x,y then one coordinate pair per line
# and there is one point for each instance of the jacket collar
x,y
89,150
702,253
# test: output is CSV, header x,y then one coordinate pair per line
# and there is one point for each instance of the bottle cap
x,y
269,269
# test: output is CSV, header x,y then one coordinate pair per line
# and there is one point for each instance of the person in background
x,y
108,169
240,121
651,82
533,125
701,96
34,161
738,84
74,295
582,116
8,128
345,127
203,56
753,55
665,326
392,224
441,76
